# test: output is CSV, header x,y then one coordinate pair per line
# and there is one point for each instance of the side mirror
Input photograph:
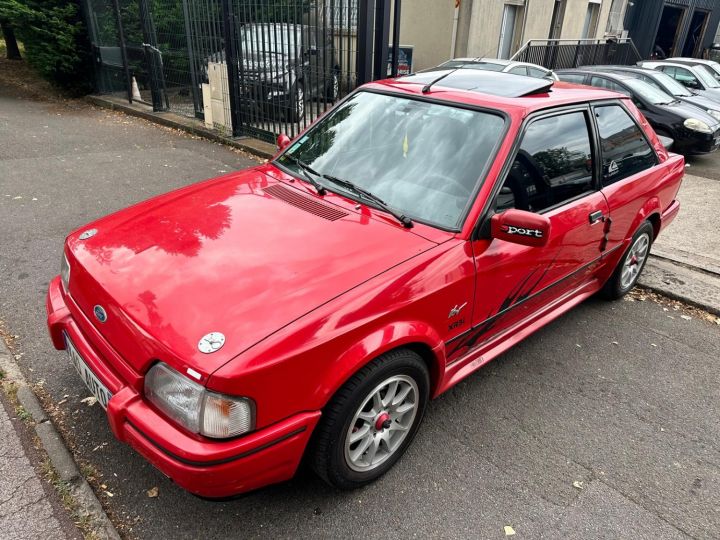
x,y
283,141
520,227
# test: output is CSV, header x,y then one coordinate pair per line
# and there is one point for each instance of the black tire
x,y
327,454
332,92
297,101
615,288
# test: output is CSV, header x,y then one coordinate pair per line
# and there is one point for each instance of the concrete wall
x,y
428,25
480,21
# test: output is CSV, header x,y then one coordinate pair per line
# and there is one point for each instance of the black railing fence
x,y
570,53
246,67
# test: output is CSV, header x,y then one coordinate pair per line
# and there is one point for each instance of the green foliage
x,y
55,40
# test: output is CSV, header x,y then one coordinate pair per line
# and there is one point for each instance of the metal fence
x,y
245,67
570,53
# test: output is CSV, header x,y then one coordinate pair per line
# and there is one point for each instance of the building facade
x,y
442,29
664,28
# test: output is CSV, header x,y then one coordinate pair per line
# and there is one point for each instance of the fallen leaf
x,y
509,531
104,486
109,494
90,401
577,484
153,492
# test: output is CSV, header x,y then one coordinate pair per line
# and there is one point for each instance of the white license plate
x,y
98,389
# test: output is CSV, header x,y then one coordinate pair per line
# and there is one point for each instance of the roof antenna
x,y
429,85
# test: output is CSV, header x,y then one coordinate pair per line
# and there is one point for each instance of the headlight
x,y
697,125
65,272
194,407
715,114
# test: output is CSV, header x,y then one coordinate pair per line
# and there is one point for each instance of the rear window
x,y
624,149
571,78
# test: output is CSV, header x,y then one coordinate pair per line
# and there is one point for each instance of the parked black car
x,y
692,129
282,66
663,81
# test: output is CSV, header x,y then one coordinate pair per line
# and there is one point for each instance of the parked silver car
x,y
497,64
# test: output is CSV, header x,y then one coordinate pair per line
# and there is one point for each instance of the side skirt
x,y
480,356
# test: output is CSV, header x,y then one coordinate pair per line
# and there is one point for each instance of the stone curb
x,y
59,455
253,146
684,283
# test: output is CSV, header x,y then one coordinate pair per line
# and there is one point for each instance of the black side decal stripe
x,y
470,337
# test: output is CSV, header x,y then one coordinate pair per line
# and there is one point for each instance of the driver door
x,y
554,174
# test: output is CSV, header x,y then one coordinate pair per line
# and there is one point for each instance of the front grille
x,y
307,204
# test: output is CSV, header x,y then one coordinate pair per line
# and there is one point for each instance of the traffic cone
x,y
135,90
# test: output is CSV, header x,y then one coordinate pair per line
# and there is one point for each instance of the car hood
x,y
243,255
686,110
701,101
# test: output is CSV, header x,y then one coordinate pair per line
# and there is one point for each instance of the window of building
x,y
591,20
511,20
624,149
553,165
556,22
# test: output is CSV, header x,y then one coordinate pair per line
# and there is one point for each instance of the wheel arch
x,y
417,337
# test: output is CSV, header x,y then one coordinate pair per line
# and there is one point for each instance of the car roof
x,y
477,87
667,63
684,59
609,75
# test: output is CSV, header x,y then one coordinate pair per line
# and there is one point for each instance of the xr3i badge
x,y
100,313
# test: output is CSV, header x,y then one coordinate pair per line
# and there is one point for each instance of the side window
x,y
519,70
652,83
554,164
572,78
538,73
601,82
685,76
624,149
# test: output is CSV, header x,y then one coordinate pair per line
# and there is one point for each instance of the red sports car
x,y
310,307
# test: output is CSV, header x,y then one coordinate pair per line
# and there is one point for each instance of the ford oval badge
x,y
211,342
100,313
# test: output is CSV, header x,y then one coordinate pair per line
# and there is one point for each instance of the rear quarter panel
x,y
646,194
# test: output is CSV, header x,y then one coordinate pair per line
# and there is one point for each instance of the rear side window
x,y
572,78
601,82
539,73
519,70
624,149
553,165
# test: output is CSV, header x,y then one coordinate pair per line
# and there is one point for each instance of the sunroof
x,y
487,82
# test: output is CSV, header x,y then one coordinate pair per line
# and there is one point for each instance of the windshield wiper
x,y
402,218
308,173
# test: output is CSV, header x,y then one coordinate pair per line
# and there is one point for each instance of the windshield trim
x,y
479,182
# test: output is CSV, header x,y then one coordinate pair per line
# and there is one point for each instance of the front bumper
x,y
205,467
693,142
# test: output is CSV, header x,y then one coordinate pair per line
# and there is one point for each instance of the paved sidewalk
x,y
25,509
686,262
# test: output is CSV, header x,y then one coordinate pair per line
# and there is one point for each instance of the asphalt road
x,y
622,398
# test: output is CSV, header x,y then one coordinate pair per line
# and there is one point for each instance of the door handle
x,y
595,217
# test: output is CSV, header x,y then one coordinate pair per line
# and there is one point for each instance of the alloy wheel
x,y
634,261
381,423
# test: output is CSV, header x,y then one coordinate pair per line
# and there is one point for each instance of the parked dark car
x,y
282,66
663,81
692,129
696,78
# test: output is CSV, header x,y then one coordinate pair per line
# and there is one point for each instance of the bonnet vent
x,y
302,202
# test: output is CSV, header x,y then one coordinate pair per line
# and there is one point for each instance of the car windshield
x,y
471,64
422,159
671,85
648,92
706,74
